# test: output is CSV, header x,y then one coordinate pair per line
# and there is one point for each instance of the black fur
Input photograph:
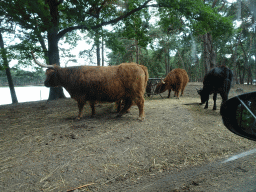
x,y
218,80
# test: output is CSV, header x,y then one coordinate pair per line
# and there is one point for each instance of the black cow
x,y
218,80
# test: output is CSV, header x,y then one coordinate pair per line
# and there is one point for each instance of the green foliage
x,y
201,18
22,77
156,64
181,23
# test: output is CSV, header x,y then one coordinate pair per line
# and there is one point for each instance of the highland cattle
x,y
126,82
176,80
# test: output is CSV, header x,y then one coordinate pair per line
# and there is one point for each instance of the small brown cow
x,y
124,82
176,80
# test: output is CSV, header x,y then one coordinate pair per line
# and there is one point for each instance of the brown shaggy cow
x,y
176,80
125,82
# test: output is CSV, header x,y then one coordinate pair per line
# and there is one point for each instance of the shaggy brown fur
x,y
121,103
185,80
176,80
126,82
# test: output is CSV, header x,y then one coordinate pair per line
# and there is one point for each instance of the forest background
x,y
195,35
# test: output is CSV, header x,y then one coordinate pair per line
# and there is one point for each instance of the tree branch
x,y
60,1
222,6
113,21
214,3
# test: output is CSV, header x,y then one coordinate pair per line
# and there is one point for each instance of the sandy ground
x,y
43,148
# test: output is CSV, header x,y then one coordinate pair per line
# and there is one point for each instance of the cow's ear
x,y
199,91
50,70
53,73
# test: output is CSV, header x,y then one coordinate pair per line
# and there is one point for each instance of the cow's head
x,y
204,96
52,77
161,87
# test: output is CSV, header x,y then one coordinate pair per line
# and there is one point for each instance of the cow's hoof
x,y
118,116
141,118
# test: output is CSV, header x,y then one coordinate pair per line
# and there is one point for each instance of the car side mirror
x,y
238,115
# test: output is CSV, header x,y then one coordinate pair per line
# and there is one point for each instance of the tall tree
x,y
202,18
208,42
243,44
51,20
56,18
5,66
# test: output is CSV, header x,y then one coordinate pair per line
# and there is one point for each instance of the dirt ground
x,y
43,148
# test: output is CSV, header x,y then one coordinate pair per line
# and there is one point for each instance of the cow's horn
x,y
163,82
40,64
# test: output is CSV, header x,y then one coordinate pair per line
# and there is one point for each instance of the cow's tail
x,y
229,82
145,69
230,76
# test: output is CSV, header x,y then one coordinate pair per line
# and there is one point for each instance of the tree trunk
x,y
53,55
254,40
97,42
209,53
242,75
102,51
249,74
42,42
53,50
137,51
166,62
235,66
181,60
235,62
98,54
7,70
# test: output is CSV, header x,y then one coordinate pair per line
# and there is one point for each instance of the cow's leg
x,y
214,100
127,105
92,104
140,104
177,94
128,110
118,106
169,93
224,96
80,107
206,105
182,91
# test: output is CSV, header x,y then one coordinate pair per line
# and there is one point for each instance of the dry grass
x,y
44,148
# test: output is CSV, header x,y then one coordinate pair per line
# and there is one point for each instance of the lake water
x,y
25,94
